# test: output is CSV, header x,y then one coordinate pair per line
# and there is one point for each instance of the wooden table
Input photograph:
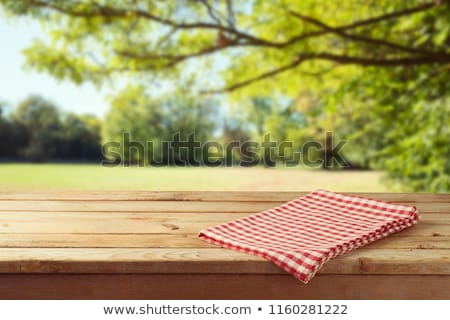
x,y
143,245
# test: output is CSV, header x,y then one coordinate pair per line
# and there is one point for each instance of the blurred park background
x,y
78,74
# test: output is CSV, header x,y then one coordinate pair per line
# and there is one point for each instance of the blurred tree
x,y
136,118
80,137
234,134
276,117
406,130
36,130
258,112
13,135
41,119
286,47
92,40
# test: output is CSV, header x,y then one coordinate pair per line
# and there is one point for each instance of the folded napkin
x,y
301,235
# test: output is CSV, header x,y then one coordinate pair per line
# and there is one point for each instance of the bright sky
x,y
16,83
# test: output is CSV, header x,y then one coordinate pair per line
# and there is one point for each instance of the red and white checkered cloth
x,y
301,235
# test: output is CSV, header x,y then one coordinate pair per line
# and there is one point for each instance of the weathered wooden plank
x,y
67,240
425,228
212,260
93,216
206,196
133,206
167,206
236,287
122,222
102,225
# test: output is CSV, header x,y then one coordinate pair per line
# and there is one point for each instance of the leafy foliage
x,y
36,130
405,129
92,40
149,121
375,72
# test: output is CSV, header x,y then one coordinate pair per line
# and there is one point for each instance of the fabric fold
x,y
301,235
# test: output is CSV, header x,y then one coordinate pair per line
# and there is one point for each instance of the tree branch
x,y
340,59
230,14
362,61
354,25
327,29
173,59
211,12
355,37
262,76
241,39
105,11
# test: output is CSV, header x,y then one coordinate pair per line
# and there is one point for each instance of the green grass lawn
x,y
95,177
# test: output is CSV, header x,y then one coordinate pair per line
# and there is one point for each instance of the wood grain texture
x,y
142,245
211,260
230,196
228,286
155,240
403,240
168,206
137,223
